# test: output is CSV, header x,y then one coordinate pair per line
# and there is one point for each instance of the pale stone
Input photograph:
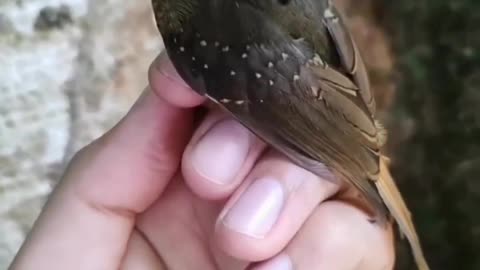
x,y
60,88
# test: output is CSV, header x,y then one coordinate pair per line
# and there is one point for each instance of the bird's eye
x,y
284,2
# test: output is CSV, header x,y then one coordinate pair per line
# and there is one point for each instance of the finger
x,y
338,236
166,82
88,218
179,226
140,255
219,156
271,206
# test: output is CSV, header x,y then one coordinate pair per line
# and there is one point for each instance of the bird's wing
x,y
286,94
316,118
349,54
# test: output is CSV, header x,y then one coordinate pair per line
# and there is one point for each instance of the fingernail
x,y
281,262
220,154
257,210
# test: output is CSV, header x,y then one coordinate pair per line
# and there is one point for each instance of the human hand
x,y
158,192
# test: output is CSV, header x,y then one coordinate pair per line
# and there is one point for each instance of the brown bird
x,y
290,72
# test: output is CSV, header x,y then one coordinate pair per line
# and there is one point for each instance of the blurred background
x,y
69,69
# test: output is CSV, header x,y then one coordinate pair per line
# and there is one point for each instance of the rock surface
x,y
69,70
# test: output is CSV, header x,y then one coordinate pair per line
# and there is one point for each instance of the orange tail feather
x,y
395,203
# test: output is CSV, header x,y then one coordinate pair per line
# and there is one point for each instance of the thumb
x,y
111,180
129,166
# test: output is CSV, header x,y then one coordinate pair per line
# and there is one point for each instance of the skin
x,y
145,196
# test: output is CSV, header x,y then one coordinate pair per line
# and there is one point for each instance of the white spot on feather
x,y
225,100
328,14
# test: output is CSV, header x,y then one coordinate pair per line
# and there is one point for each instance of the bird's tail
x,y
398,209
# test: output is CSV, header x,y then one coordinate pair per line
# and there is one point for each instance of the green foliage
x,y
438,167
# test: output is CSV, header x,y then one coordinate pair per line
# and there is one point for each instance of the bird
x,y
290,72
